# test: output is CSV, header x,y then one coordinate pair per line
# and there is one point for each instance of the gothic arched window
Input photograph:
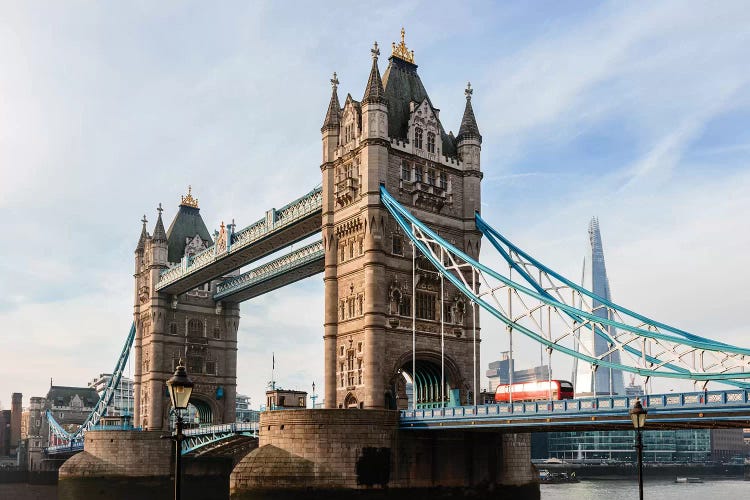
x,y
418,138
195,328
173,328
430,142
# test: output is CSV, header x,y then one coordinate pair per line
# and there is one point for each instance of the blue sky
x,y
636,112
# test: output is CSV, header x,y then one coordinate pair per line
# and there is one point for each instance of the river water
x,y
729,489
658,489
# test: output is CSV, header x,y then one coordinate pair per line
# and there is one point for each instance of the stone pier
x,y
124,465
336,453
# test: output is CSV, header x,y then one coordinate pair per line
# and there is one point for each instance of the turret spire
x,y
374,93
469,128
159,233
144,236
333,119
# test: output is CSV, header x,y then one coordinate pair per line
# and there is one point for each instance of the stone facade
x,y
394,137
191,327
333,452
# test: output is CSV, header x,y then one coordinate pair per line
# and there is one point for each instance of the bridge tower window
x,y
431,177
405,171
173,328
350,375
397,247
443,181
195,328
430,142
404,307
418,174
425,305
418,138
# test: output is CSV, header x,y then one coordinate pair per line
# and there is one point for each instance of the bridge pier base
x,y
336,453
134,464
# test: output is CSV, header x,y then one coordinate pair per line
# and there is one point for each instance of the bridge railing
x,y
278,266
274,220
601,404
236,428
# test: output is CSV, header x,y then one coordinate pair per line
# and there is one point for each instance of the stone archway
x,y
350,401
423,389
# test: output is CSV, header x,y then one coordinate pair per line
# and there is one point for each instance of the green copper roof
x,y
186,224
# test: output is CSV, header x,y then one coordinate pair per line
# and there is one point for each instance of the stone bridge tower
x,y
394,136
191,327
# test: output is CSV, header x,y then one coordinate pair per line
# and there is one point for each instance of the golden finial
x,y
188,200
401,51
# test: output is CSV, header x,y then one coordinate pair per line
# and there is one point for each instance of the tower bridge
x,y
400,234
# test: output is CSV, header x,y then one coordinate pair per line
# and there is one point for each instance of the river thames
x,y
730,489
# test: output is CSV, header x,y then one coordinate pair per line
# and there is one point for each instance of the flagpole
x,y
273,370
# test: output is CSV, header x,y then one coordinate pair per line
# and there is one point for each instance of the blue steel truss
x,y
275,220
100,409
200,437
647,348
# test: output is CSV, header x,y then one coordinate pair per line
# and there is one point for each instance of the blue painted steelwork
x,y
65,449
275,220
203,436
277,267
100,409
733,362
707,407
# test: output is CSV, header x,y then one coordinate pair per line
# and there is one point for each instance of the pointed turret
x,y
144,236
374,93
159,233
469,128
333,115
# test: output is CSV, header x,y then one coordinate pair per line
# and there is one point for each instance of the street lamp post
x,y
638,416
180,388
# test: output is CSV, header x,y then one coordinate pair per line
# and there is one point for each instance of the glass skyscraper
x,y
607,380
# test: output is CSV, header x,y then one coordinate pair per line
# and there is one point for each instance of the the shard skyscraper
x,y
606,380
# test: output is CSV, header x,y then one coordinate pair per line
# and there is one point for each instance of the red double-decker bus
x,y
541,390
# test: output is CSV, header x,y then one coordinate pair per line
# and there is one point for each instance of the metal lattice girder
x,y
100,409
647,348
279,228
204,436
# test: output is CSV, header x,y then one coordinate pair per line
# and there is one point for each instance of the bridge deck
x,y
713,409
294,266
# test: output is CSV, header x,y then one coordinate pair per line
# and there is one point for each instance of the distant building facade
x,y
283,398
122,401
4,433
244,412
659,446
498,372
69,406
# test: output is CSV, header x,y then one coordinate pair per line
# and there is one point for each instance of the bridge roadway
x,y
693,410
280,228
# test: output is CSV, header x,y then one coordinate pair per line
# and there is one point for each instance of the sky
x,y
635,112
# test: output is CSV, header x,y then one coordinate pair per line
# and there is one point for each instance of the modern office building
x,y
662,446
605,380
498,372
122,402
244,413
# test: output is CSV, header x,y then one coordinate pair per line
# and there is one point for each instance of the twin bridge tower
x,y
188,286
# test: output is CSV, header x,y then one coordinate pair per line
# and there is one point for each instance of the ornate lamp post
x,y
638,416
180,388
